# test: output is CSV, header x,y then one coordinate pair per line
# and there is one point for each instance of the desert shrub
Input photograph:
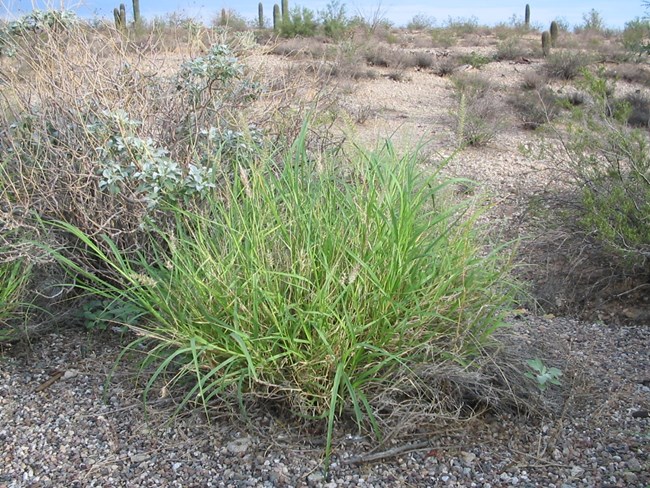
x,y
631,72
592,21
299,47
333,20
504,30
462,26
421,22
443,37
635,36
536,107
39,20
476,115
575,98
231,19
533,81
475,60
510,49
315,284
378,56
301,22
101,152
446,66
565,65
389,58
423,60
610,164
638,106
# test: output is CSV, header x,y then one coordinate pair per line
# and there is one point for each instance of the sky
x,y
615,13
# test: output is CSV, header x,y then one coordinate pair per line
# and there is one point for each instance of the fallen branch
x,y
368,458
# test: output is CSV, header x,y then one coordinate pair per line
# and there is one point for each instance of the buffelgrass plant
x,y
317,283
476,115
14,277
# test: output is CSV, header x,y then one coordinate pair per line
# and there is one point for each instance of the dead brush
x,y
85,119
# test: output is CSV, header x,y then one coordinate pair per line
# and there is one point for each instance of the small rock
x,y
576,471
634,465
139,458
315,477
640,414
70,373
468,457
239,446
630,478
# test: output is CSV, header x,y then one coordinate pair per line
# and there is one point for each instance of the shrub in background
x,y
636,35
301,21
592,21
476,116
421,22
565,65
610,163
511,49
100,153
333,20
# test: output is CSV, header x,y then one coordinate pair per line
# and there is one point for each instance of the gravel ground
x,y
64,434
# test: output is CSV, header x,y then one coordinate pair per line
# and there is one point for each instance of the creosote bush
x,y
316,283
610,164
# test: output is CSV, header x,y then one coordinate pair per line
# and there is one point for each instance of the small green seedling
x,y
542,375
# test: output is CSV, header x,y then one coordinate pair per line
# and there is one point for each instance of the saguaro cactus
x,y
285,11
276,18
527,16
546,43
136,12
116,15
120,18
260,15
554,32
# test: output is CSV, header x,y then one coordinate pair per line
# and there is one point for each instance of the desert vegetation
x,y
212,196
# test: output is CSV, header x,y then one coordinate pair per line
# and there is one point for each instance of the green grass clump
x,y
312,282
14,277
